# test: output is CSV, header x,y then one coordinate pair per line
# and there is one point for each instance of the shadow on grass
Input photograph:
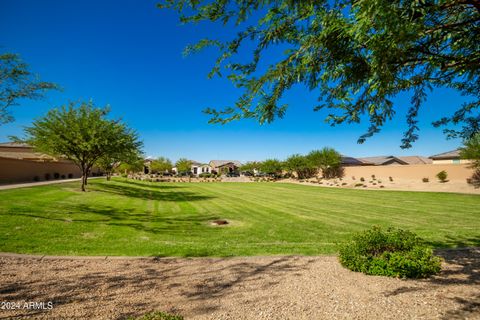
x,y
455,242
146,193
197,283
153,185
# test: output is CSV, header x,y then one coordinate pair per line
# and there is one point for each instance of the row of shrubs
x,y
55,176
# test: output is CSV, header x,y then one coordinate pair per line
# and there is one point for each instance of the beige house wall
x,y
456,172
450,161
14,170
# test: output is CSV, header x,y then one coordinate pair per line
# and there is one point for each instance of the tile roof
x,y
219,163
381,160
454,154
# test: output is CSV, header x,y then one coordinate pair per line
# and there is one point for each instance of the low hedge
x,y
391,252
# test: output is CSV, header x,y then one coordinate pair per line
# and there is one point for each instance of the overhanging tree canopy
x,y
356,55
18,82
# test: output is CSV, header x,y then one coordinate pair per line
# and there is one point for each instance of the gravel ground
x,y
279,287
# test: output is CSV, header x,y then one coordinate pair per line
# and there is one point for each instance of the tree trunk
x,y
84,181
109,176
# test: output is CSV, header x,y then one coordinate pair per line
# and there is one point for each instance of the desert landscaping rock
x,y
276,287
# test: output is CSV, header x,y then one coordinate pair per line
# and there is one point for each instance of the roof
x,y
15,145
415,160
350,161
26,156
382,160
219,163
454,154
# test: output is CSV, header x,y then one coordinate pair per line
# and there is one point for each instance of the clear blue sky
x,y
128,54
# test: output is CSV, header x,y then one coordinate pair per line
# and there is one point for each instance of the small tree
x,y
161,165
83,135
251,167
184,166
17,82
328,160
131,165
471,151
442,176
300,165
272,167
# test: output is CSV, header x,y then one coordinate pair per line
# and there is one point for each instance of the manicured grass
x,y
161,219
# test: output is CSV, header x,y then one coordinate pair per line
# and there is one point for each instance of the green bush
x,y
442,176
157,316
391,252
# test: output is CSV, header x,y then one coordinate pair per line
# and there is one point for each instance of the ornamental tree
x,y
355,55
301,166
184,166
328,160
161,165
84,135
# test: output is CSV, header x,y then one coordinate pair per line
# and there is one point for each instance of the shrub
x,y
442,176
56,175
391,252
390,178
359,185
157,316
362,179
47,176
70,175
425,180
373,177
63,176
36,178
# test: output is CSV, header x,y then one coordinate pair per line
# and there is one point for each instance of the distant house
x,y
416,160
383,161
20,163
199,168
450,157
350,161
224,165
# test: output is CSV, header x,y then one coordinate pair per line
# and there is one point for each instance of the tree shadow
x,y
152,185
197,284
462,269
455,242
149,194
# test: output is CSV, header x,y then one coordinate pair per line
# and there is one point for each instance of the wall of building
x,y
458,172
13,170
462,161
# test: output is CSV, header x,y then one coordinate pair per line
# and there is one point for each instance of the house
x,y
199,168
416,160
382,161
350,161
218,166
450,157
20,163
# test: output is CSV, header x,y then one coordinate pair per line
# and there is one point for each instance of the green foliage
x,y
272,167
357,55
425,180
328,160
133,165
251,166
184,166
392,252
471,150
157,315
301,165
84,135
17,82
442,176
161,165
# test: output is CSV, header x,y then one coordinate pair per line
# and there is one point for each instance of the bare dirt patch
x,y
278,287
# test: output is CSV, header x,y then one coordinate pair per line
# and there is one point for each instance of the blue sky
x,y
129,54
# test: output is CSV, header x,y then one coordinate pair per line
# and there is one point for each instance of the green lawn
x,y
153,219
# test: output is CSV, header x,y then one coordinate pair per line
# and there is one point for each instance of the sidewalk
x,y
40,183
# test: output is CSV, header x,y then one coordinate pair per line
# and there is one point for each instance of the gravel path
x,y
279,287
